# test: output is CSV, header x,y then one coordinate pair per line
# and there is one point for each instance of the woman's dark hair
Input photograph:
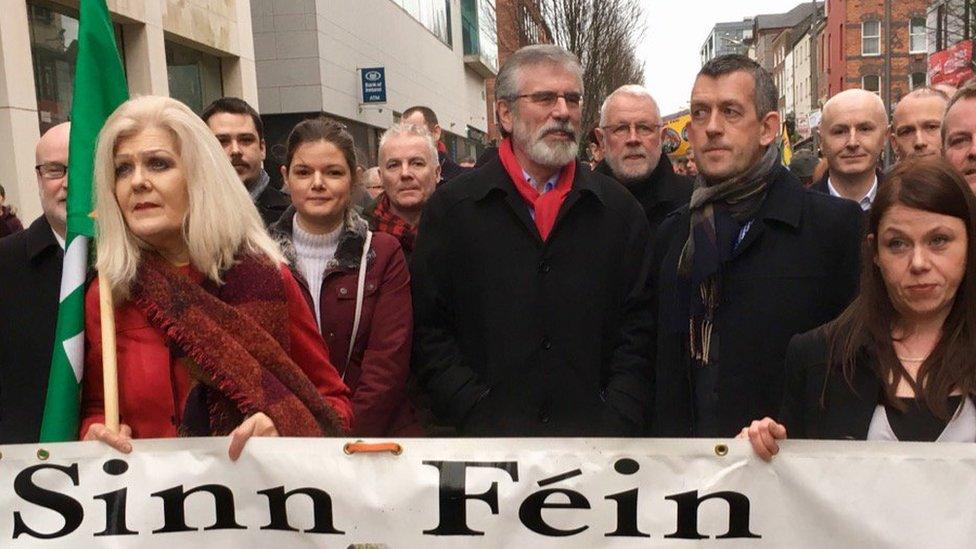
x,y
321,128
865,327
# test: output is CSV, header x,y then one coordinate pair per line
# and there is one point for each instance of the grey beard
x,y
627,177
552,156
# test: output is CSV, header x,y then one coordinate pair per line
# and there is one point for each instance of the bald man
x,y
959,133
630,134
948,89
30,271
916,124
852,136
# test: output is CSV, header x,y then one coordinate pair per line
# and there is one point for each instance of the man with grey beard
x,y
530,277
630,134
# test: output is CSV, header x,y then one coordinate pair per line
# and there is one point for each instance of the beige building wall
x,y
803,73
308,53
789,85
218,27
19,129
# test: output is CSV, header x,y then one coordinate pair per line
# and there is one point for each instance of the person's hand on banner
x,y
763,434
258,425
121,441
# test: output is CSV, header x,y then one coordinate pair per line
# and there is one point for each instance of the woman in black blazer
x,y
900,362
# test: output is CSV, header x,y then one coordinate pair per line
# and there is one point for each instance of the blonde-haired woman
x,y
213,334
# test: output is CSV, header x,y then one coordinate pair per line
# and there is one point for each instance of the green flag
x,y
98,89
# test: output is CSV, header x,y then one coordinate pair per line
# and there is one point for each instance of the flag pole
x,y
99,87
110,375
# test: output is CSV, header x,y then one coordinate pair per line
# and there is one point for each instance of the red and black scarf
x,y
385,221
234,341
545,205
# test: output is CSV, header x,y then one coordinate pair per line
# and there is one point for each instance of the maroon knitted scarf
x,y
235,336
385,221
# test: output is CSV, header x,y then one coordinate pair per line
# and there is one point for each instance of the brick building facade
x,y
768,32
877,45
519,23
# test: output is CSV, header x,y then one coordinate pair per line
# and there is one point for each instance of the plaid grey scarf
x,y
738,198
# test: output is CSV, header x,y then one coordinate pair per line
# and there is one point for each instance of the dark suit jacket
x,y
30,282
796,268
660,193
490,154
821,186
514,336
449,168
818,406
271,203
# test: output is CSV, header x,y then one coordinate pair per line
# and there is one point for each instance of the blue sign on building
x,y
374,84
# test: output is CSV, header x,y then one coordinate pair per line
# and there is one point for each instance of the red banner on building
x,y
952,65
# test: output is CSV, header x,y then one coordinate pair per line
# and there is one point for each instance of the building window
x,y
871,83
478,31
916,31
530,26
916,80
54,47
871,38
194,76
435,15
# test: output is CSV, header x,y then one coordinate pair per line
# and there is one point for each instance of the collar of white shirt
x,y
550,184
58,238
865,202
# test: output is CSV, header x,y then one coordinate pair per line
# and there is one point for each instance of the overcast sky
x,y
676,30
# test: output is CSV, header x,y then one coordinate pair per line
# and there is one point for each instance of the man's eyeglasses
x,y
623,130
51,170
549,98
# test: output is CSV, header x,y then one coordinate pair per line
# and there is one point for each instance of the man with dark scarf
x,y
753,260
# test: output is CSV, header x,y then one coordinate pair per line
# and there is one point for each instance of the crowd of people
x,y
531,294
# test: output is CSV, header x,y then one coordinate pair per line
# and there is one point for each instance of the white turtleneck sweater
x,y
314,252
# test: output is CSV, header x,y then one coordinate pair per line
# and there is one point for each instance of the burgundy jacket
x,y
377,372
9,224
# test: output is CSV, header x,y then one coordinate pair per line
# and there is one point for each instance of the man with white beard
x,y
531,302
630,133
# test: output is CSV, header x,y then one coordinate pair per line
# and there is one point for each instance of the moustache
x,y
558,127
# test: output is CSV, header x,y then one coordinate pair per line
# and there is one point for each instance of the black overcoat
x,y
660,193
821,406
514,336
30,282
796,268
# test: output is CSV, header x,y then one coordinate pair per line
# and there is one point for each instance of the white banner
x,y
510,493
